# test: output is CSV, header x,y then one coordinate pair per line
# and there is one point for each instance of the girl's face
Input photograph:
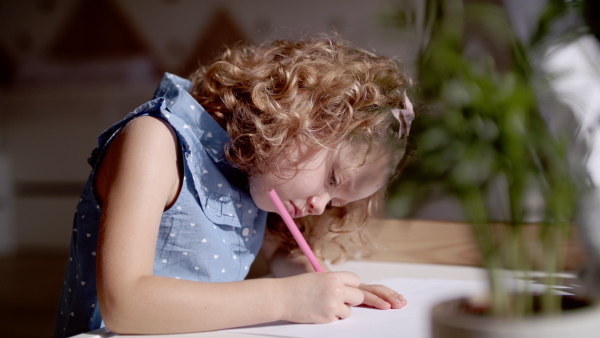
x,y
309,179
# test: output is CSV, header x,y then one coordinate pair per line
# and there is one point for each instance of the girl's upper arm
x,y
137,180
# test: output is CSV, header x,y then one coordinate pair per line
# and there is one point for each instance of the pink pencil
x,y
294,230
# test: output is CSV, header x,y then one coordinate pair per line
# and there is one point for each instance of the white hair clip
x,y
405,116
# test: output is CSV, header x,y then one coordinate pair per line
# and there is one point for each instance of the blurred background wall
x,y
71,68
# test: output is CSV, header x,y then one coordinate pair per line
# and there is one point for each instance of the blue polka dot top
x,y
212,233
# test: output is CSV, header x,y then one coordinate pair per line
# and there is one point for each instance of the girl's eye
x,y
332,179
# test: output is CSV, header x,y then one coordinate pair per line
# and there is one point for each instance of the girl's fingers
x,y
354,296
345,313
376,302
349,278
398,302
382,297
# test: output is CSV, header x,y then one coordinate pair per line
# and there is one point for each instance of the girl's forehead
x,y
342,153
346,158
351,156
367,175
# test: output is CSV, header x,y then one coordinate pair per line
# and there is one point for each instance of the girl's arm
x,y
282,264
137,180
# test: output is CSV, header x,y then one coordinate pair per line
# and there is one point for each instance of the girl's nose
x,y
317,204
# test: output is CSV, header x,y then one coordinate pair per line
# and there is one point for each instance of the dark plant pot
x,y
453,319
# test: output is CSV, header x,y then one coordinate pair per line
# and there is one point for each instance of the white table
x,y
448,280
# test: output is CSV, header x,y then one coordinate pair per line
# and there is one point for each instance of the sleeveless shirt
x,y
212,233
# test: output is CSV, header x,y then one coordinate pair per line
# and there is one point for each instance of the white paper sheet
x,y
410,322
431,284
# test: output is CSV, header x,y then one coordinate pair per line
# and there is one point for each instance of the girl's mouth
x,y
295,212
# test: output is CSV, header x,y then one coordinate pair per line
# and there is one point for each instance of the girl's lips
x,y
292,209
295,213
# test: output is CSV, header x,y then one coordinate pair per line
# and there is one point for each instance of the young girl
x,y
176,207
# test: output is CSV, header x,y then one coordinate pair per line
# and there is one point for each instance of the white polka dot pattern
x,y
212,233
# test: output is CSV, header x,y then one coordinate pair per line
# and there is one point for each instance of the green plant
x,y
481,130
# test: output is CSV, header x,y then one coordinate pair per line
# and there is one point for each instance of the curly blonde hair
x,y
321,92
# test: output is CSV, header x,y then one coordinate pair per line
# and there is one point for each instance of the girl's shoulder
x,y
146,148
149,128
146,135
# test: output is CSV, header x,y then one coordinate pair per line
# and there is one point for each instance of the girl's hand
x,y
319,297
382,297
